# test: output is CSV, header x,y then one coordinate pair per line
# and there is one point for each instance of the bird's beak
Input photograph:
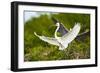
x,y
52,26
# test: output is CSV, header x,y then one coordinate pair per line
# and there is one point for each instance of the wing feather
x,y
49,40
71,35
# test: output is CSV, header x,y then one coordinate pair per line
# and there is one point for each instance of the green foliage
x,y
38,50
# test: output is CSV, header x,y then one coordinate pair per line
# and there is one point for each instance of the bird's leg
x,y
65,54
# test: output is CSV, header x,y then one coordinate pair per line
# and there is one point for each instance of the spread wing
x,y
71,35
49,40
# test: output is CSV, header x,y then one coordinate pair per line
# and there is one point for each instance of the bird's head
x,y
57,24
55,21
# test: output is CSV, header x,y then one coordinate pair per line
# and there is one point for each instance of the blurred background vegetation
x,y
38,50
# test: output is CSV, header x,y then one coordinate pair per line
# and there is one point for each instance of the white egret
x,y
65,39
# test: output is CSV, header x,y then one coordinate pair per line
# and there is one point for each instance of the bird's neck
x,y
56,32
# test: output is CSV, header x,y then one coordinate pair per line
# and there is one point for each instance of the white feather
x,y
71,35
63,41
49,40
